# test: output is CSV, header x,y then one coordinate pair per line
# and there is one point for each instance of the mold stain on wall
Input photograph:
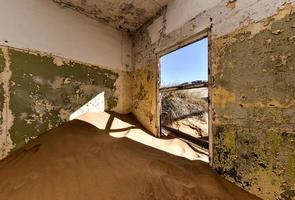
x,y
253,131
253,90
40,91
145,81
145,101
123,15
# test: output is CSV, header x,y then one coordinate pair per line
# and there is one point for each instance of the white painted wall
x,y
181,15
179,12
227,20
44,26
155,29
97,104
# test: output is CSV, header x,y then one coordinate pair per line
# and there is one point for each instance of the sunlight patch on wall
x,y
97,104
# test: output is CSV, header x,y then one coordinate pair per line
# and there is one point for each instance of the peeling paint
x,y
144,103
252,83
254,126
253,91
64,114
123,15
6,144
40,91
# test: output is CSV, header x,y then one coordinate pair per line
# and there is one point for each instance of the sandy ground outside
x,y
79,161
193,125
182,105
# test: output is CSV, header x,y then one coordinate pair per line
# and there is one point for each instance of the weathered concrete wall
x,y
252,84
145,77
39,91
253,102
47,27
179,12
45,79
123,15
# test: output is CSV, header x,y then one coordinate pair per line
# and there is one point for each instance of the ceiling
x,y
126,15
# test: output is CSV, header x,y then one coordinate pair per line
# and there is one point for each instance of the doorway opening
x,y
184,94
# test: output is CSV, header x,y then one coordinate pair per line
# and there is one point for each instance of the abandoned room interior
x,y
147,99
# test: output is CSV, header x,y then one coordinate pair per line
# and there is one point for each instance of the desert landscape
x,y
186,110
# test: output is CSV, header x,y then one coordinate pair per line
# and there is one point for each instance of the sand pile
x,y
120,126
79,161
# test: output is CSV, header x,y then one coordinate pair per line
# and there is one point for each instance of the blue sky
x,y
187,64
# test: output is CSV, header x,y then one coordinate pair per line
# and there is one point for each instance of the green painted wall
x,y
44,90
2,65
253,96
254,107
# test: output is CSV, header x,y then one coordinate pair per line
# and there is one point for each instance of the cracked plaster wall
x,y
39,91
253,132
253,91
123,15
52,62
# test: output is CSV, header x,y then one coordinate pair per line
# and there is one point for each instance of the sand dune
x,y
120,126
79,161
